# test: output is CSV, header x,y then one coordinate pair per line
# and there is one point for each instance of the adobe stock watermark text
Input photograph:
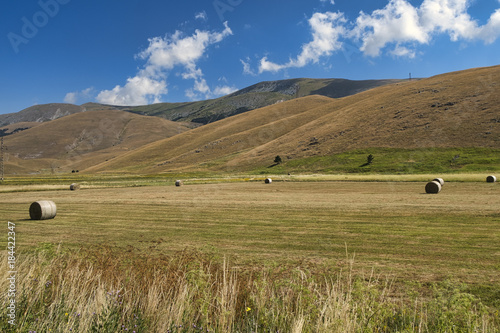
x,y
31,25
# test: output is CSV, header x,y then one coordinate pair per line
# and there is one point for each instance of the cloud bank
x,y
404,26
327,28
161,56
398,29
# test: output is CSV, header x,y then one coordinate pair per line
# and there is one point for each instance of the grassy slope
x,y
444,114
395,161
217,140
204,112
453,110
8,129
83,139
254,97
338,88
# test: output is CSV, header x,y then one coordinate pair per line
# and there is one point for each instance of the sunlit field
x,y
296,255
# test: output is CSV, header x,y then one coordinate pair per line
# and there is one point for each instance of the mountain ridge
x,y
206,111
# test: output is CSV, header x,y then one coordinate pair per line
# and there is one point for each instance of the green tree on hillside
x,y
369,159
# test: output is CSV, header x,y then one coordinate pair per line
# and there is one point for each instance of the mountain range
x,y
295,119
203,112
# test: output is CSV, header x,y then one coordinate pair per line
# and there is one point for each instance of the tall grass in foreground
x,y
111,290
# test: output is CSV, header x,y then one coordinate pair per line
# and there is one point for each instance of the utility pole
x,y
1,157
410,76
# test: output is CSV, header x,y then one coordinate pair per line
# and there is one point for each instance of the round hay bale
x,y
43,210
74,187
179,183
268,181
439,180
491,179
433,187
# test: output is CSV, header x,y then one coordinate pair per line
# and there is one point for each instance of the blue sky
x,y
140,52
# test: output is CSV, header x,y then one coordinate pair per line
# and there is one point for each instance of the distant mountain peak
x,y
40,113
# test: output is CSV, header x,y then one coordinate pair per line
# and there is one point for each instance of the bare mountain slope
x,y
459,109
207,111
40,113
256,96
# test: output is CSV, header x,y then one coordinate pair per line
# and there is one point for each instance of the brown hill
x,y
83,139
220,140
256,96
206,111
458,109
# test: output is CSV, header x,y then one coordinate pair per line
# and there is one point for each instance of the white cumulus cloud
x,y
327,29
490,32
163,55
70,98
247,68
400,23
166,53
201,16
138,90
398,29
397,22
76,97
268,66
224,90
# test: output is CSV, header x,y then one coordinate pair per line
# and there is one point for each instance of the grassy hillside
x,y
83,139
207,111
451,110
219,140
455,110
256,96
394,161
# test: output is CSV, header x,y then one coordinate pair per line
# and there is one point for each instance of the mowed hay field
x,y
254,257
393,227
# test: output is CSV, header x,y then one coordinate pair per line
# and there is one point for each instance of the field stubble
x,y
389,226
243,257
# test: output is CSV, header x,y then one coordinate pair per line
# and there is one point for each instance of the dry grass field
x,y
393,227
322,256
